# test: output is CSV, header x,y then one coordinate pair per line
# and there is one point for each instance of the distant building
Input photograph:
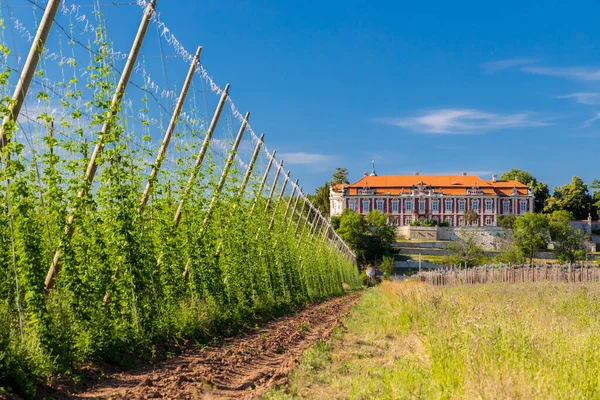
x,y
440,198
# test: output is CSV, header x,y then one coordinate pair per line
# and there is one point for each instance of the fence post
x,y
90,173
263,181
35,51
226,168
170,130
279,168
201,154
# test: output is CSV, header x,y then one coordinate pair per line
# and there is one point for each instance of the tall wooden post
x,y
106,127
285,181
261,187
170,129
226,168
295,206
251,165
279,168
36,50
201,154
290,201
301,215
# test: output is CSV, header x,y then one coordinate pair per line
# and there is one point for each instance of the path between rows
x,y
245,366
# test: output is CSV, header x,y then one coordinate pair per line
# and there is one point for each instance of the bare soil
x,y
245,366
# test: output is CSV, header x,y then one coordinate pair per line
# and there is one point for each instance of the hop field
x,y
412,340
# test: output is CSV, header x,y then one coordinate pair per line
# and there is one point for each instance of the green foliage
x,y
321,199
370,237
465,252
568,243
121,286
530,234
573,197
387,267
506,221
415,223
340,176
470,216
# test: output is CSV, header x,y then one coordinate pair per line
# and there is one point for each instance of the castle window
x,y
380,205
395,206
476,205
488,205
461,205
448,205
352,205
366,206
523,207
435,206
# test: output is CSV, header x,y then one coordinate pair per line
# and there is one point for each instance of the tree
x,y
570,248
530,232
387,267
573,197
465,252
370,237
568,243
540,190
596,196
340,176
506,221
470,216
352,230
321,199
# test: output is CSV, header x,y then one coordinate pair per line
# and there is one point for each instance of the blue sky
x,y
435,87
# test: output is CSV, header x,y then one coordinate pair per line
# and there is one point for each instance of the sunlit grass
x,y
411,340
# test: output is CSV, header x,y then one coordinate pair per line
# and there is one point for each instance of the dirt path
x,y
242,367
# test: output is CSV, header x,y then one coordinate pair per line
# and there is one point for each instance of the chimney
x,y
416,174
366,174
464,174
494,178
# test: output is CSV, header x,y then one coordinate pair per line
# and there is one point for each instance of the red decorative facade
x,y
440,198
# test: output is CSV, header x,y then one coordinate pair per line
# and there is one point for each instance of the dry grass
x,y
500,341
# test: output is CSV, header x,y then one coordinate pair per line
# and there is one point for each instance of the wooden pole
x,y
279,168
226,168
301,215
35,51
295,207
170,129
201,154
251,165
106,127
263,181
290,201
285,181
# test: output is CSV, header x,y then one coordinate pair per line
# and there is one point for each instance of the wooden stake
x,y
201,154
170,129
263,181
35,51
279,168
108,122
226,168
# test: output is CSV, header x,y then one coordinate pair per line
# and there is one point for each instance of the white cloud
x,y
315,160
590,121
583,98
464,121
576,73
492,67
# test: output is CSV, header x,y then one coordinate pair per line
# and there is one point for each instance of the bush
x,y
415,223
387,267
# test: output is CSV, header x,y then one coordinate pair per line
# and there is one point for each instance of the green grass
x,y
410,340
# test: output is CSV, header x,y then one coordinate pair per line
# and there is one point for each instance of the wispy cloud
x,y
317,162
465,121
492,67
590,121
576,73
583,98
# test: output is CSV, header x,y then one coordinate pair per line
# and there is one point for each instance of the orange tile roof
x,y
448,184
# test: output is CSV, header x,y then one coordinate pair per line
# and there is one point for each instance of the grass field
x,y
409,340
